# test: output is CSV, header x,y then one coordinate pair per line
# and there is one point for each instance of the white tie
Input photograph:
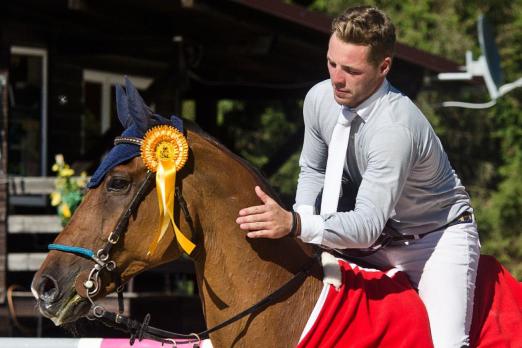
x,y
336,159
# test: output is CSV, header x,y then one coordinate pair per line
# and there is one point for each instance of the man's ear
x,y
385,66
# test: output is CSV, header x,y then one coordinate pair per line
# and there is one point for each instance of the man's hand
x,y
269,220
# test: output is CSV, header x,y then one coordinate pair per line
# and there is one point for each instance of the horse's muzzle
x,y
57,301
46,288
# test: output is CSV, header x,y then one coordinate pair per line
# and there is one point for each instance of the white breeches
x,y
443,267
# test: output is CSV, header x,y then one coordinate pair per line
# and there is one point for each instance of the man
x,y
396,178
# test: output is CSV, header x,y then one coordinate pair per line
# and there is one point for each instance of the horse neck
x,y
234,272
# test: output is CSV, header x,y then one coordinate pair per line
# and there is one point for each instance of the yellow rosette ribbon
x,y
165,151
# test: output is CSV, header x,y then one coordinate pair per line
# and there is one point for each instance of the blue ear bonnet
x,y
124,152
137,118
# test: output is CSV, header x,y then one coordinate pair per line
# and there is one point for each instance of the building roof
x,y
321,23
233,48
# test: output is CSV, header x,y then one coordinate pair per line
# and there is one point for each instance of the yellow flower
x,y
59,159
65,210
56,198
82,180
67,171
55,167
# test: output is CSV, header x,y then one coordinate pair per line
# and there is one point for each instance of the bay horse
x,y
232,271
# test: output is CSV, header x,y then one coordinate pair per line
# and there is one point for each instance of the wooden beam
x,y
34,224
25,261
31,185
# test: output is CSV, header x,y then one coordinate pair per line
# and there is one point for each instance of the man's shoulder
x,y
321,90
400,108
320,109
320,99
400,118
324,85
398,98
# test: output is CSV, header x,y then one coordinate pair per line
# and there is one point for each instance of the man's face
x,y
353,77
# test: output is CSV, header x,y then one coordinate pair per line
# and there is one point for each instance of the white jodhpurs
x,y
443,267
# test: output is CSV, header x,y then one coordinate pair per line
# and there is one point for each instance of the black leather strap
x,y
463,218
140,330
121,226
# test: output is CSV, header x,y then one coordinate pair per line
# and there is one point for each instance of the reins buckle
x,y
113,239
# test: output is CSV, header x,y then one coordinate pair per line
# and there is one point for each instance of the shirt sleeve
x,y
390,156
313,157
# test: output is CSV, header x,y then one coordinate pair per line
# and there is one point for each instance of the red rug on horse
x,y
380,309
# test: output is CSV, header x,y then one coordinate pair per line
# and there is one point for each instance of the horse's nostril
x,y
48,289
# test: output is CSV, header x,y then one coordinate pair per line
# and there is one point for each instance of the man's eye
x,y
117,184
353,72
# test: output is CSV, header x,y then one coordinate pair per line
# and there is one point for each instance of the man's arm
x,y
313,158
390,158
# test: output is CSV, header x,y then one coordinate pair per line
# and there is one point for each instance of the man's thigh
x,y
443,267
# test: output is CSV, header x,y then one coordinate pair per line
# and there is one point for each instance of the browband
x,y
128,140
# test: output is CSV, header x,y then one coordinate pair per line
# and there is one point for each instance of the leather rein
x,y
140,330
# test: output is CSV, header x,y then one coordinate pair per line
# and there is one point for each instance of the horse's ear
x,y
122,107
139,111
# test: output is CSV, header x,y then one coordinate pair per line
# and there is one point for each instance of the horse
x,y
232,271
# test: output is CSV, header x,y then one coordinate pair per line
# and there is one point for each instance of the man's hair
x,y
368,26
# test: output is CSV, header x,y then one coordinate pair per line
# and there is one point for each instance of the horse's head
x,y
114,233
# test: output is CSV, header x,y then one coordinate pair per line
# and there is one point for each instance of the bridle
x,y
101,257
139,330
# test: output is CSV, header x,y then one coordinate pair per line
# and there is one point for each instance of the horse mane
x,y
255,172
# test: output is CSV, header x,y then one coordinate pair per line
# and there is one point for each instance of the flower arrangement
x,y
68,192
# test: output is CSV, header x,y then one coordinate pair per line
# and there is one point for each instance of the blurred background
x,y
240,69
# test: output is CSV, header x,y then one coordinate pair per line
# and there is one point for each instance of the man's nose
x,y
337,78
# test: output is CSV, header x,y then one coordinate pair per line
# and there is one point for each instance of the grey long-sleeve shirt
x,y
396,170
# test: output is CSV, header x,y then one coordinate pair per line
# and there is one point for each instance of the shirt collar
x,y
364,110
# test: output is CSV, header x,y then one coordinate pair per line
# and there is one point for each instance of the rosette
x,y
165,151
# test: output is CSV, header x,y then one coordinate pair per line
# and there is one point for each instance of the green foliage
x,y
501,212
285,179
262,134
258,136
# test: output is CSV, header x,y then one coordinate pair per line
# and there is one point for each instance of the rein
x,y
139,330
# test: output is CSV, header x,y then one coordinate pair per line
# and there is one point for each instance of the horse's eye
x,y
118,184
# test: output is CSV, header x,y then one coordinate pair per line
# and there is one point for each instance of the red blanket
x,y
377,309
497,314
